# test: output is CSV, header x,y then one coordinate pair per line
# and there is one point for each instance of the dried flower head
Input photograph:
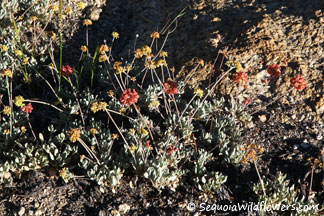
x,y
111,93
274,70
74,134
170,87
298,82
150,64
252,152
66,71
27,108
129,97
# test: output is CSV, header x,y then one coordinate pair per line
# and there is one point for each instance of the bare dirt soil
x,y
255,33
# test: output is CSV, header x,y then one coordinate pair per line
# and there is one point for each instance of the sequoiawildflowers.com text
x,y
251,206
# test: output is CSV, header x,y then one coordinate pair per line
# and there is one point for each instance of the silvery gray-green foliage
x,y
107,171
207,181
162,175
151,94
29,157
58,151
279,193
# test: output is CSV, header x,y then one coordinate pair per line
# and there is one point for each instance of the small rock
x,y
123,208
262,118
21,211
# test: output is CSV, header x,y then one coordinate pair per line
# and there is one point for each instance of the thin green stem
x,y
61,45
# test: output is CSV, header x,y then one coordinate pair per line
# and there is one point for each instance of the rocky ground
x,y
255,33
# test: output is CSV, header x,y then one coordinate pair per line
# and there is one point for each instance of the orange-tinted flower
x,y
147,143
240,77
170,87
66,71
27,108
298,82
129,97
155,35
74,134
274,70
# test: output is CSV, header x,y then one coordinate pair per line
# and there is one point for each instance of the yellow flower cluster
x,y
93,131
54,8
81,5
163,54
19,101
138,53
150,64
68,11
83,48
114,136
95,107
102,58
237,65
118,67
103,49
19,53
6,110
3,48
142,131
6,131
132,149
154,105
115,35
7,73
155,35
23,129
111,93
199,92
87,22
25,60
131,131
146,50
51,35
74,134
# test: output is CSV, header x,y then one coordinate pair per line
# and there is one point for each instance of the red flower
x,y
298,82
247,101
170,87
240,77
274,70
27,108
129,97
147,143
172,149
66,71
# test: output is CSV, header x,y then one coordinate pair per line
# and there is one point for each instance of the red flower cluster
x,y
129,97
170,87
298,82
247,101
27,108
172,149
274,70
240,77
66,71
